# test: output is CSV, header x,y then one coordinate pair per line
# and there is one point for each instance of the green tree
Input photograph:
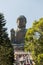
x,y
6,49
34,41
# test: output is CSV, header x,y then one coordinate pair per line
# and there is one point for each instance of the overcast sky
x,y
31,9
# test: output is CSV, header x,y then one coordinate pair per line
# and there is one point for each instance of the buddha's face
x,y
21,23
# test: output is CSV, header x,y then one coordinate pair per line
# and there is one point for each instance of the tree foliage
x,y
34,41
6,49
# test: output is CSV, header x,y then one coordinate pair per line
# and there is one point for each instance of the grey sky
x,y
31,9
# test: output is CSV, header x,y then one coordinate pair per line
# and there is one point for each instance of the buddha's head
x,y
21,21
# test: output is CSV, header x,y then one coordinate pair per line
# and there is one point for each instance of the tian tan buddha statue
x,y
18,36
